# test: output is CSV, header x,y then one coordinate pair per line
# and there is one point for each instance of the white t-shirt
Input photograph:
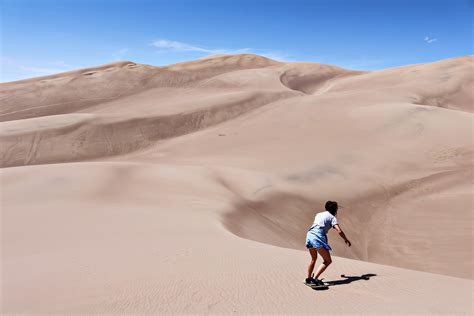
x,y
324,220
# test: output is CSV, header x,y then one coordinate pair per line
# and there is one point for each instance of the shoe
x,y
320,283
311,282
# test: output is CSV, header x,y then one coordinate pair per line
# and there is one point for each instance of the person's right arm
x,y
341,233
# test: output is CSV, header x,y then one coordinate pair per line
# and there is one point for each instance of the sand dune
x,y
87,136
75,90
130,188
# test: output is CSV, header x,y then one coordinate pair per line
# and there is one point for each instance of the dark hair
x,y
331,207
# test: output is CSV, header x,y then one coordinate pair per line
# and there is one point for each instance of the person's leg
x,y
327,261
314,256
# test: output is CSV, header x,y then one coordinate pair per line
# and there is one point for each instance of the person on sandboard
x,y
317,241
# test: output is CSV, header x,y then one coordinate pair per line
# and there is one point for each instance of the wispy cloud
x,y
168,45
430,40
165,45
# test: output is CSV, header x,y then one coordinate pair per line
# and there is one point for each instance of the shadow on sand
x,y
346,280
349,279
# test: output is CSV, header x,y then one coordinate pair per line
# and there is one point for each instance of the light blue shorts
x,y
316,238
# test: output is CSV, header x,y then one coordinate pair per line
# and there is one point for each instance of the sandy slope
x,y
120,238
191,157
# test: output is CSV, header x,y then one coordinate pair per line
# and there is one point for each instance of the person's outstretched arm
x,y
341,233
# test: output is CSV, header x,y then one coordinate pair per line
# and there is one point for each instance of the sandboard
x,y
317,287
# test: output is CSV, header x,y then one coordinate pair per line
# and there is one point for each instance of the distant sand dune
x,y
72,91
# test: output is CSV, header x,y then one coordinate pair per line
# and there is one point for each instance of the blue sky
x,y
42,37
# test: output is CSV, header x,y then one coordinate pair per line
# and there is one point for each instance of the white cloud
x,y
430,40
165,45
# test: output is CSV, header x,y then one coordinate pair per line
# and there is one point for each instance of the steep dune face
x,y
308,77
228,146
89,136
404,224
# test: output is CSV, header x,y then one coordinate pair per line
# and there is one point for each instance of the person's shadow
x,y
349,279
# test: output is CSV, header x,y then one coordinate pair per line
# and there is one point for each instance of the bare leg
x,y
314,256
327,261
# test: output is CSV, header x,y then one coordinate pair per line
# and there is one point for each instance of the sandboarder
x,y
317,241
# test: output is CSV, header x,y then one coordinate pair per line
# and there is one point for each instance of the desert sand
x,y
189,188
